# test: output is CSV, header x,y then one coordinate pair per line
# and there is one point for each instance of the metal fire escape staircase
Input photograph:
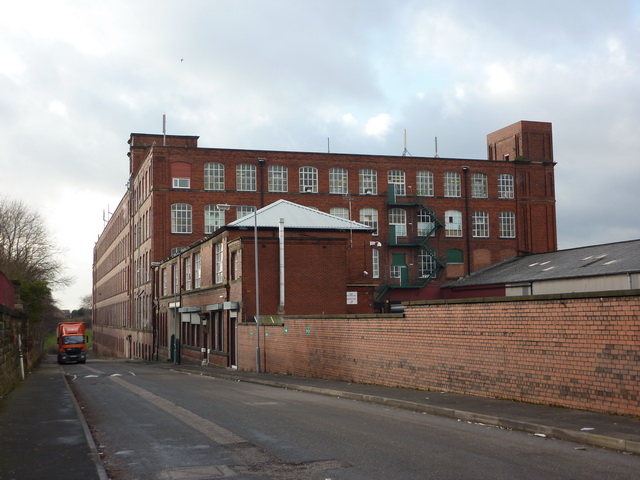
x,y
417,242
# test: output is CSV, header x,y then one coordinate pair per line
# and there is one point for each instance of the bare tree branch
x,y
27,249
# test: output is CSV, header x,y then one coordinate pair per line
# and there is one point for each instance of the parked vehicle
x,y
72,342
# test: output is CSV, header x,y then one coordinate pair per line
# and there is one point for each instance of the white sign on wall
x,y
352,298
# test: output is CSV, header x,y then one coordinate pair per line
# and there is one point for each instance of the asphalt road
x,y
150,422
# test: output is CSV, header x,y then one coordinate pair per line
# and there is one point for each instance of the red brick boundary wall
x,y
574,351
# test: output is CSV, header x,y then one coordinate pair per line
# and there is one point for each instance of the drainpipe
x,y
465,170
281,239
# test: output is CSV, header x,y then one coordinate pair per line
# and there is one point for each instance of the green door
x,y
399,268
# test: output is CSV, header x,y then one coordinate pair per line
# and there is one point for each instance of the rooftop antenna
x,y
436,147
164,130
328,145
405,152
106,215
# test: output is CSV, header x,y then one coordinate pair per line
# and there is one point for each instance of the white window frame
x,y
505,186
479,185
453,223
308,179
398,179
181,218
452,188
246,178
278,178
214,176
425,223
426,263
507,225
398,217
181,182
396,271
244,211
174,274
213,219
338,181
219,263
187,273
369,217
342,212
375,263
197,260
368,181
424,183
480,224
165,281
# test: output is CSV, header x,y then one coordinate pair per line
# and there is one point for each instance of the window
x,y
214,176
246,178
197,277
187,273
278,178
219,263
424,183
397,179
398,265
235,266
341,212
507,225
174,276
480,222
426,263
426,225
308,180
398,220
213,219
375,263
369,217
165,282
180,218
453,223
181,183
505,186
479,185
244,211
338,181
368,180
452,184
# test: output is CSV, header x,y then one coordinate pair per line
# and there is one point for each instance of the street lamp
x,y
224,207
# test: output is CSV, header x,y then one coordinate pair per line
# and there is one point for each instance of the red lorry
x,y
72,345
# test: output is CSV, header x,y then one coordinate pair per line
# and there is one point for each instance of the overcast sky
x,y
77,77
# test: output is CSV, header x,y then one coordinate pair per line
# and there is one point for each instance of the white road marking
x,y
211,430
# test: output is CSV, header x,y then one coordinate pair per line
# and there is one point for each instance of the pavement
x,y
43,433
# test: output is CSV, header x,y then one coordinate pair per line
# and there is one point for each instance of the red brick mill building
x,y
431,220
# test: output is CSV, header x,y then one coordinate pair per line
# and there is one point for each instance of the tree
x,y
27,251
86,302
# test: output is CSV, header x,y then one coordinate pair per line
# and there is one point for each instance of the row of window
x,y
191,269
278,181
181,220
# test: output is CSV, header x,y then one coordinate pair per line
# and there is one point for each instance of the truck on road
x,y
72,342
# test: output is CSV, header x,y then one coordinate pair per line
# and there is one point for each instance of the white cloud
x,y
499,80
379,125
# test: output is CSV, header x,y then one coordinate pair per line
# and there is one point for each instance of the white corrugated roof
x,y
297,216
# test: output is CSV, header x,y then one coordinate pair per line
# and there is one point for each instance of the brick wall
x,y
581,352
13,325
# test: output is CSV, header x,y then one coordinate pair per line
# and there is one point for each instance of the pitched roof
x,y
592,261
296,216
